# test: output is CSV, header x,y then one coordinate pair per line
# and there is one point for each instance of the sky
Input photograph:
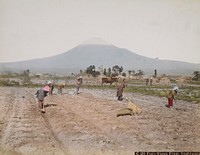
x,y
164,29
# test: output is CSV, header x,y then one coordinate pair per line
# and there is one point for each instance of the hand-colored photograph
x,y
99,77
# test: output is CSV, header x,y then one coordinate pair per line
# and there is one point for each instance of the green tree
x,y
196,75
91,71
140,72
95,73
104,72
155,73
116,69
109,72
120,70
26,72
129,72
124,74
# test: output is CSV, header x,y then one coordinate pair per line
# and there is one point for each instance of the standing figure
x,y
147,81
151,81
41,94
171,96
60,87
79,83
120,90
51,86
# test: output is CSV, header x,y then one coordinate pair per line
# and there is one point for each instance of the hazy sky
x,y
167,29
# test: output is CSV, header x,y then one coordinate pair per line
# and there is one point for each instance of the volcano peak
x,y
95,41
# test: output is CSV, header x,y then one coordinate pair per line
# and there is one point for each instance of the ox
x,y
109,80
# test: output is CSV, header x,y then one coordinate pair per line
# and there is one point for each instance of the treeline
x,y
196,75
110,71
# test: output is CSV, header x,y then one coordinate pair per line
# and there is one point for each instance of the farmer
x,y
79,83
151,81
51,86
41,94
120,90
171,96
147,81
60,87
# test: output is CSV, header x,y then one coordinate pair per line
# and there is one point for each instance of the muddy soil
x,y
87,123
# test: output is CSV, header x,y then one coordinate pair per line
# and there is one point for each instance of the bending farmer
x,y
171,96
41,94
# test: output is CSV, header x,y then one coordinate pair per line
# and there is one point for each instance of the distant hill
x,y
97,52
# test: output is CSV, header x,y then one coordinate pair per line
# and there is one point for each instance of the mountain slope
x,y
99,54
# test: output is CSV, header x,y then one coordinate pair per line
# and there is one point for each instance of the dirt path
x,y
23,129
87,124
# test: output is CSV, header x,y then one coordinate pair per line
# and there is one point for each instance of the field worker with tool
x,y
51,86
79,83
171,96
120,90
60,87
41,94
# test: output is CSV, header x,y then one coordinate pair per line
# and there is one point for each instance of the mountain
x,y
97,52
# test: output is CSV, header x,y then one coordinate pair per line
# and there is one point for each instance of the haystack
x,y
182,81
164,81
130,110
134,107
